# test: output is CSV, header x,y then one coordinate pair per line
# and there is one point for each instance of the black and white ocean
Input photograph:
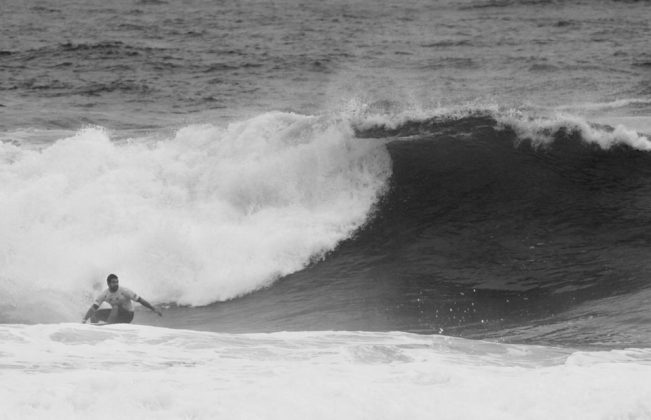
x,y
347,209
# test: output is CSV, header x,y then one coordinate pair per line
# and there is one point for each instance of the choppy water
x,y
147,64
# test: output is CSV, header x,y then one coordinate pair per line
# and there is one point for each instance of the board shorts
x,y
124,316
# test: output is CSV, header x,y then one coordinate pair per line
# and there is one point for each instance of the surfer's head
x,y
112,281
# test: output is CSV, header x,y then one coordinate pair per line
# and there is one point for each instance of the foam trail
x,y
210,214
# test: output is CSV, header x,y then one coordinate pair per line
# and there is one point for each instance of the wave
x,y
476,220
485,230
207,215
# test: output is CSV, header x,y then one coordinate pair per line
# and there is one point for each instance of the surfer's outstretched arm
x,y
148,305
91,312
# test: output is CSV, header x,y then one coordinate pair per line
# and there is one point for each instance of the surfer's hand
x,y
83,321
159,313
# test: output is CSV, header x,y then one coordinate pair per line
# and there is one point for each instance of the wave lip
x,y
542,130
539,125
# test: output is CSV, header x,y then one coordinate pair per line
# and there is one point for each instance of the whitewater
x,y
207,215
73,371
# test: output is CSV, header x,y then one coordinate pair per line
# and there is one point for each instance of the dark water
x,y
483,232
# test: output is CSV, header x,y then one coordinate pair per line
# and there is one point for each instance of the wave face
x,y
506,221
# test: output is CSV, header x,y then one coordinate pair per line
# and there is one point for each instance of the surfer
x,y
120,300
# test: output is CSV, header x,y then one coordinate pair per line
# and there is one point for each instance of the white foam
x,y
79,371
541,130
212,213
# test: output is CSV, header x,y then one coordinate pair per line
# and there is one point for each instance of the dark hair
x,y
111,277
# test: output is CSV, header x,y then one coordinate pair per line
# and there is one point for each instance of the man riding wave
x,y
120,300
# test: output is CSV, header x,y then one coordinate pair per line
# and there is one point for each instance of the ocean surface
x,y
345,209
